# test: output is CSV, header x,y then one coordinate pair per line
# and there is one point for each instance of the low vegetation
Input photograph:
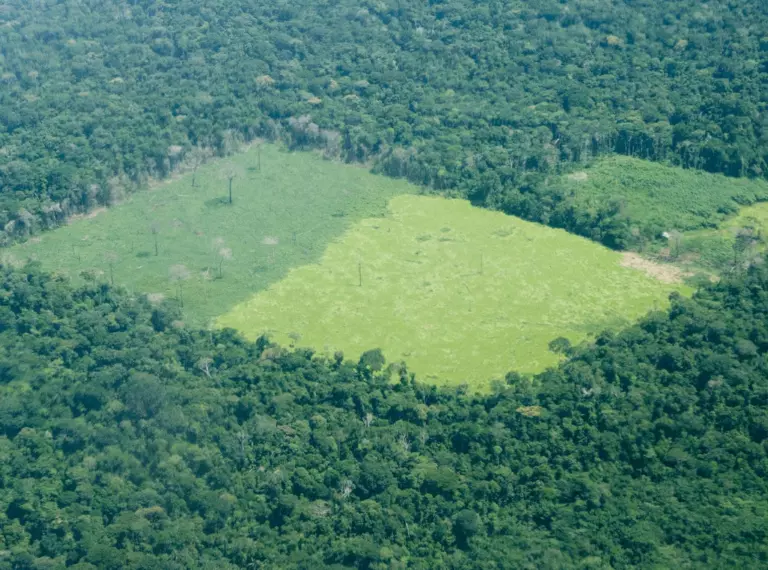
x,y
657,198
627,203
184,240
459,293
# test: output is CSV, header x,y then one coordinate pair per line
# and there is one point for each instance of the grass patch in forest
x,y
282,216
460,294
663,198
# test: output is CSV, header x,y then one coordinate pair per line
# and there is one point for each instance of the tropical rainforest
x,y
482,99
131,440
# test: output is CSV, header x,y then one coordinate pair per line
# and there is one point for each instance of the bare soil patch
x,y
662,271
578,176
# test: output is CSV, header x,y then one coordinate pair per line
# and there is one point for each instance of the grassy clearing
x,y
664,198
461,294
281,217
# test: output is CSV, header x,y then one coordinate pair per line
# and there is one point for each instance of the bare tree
x,y
405,443
244,440
111,259
368,419
224,253
179,273
207,277
197,157
154,227
204,364
230,173
346,489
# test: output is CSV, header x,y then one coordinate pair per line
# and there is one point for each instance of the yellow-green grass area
x,y
462,295
282,215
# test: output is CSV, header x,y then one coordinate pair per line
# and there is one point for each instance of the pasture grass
x,y
663,198
282,216
462,295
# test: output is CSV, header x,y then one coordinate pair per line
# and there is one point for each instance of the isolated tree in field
x,y
179,273
560,345
230,173
224,254
154,227
111,258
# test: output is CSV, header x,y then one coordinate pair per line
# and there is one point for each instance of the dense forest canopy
x,y
484,98
128,441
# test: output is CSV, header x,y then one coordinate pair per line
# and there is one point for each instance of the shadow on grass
x,y
217,202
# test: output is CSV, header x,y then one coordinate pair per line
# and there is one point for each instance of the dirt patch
x,y
92,214
663,272
155,298
530,411
578,176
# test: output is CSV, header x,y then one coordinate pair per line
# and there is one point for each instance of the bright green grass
x,y
461,294
282,216
662,197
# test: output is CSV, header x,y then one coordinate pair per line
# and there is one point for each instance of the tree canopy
x,y
129,441
480,99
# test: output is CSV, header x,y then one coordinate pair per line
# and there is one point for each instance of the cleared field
x,y
211,253
661,197
461,294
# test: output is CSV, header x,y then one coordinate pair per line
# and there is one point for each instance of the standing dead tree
x,y
224,254
204,364
197,157
111,258
179,273
230,173
154,227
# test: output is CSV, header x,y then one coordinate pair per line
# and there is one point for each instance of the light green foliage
x,y
282,216
461,294
659,198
